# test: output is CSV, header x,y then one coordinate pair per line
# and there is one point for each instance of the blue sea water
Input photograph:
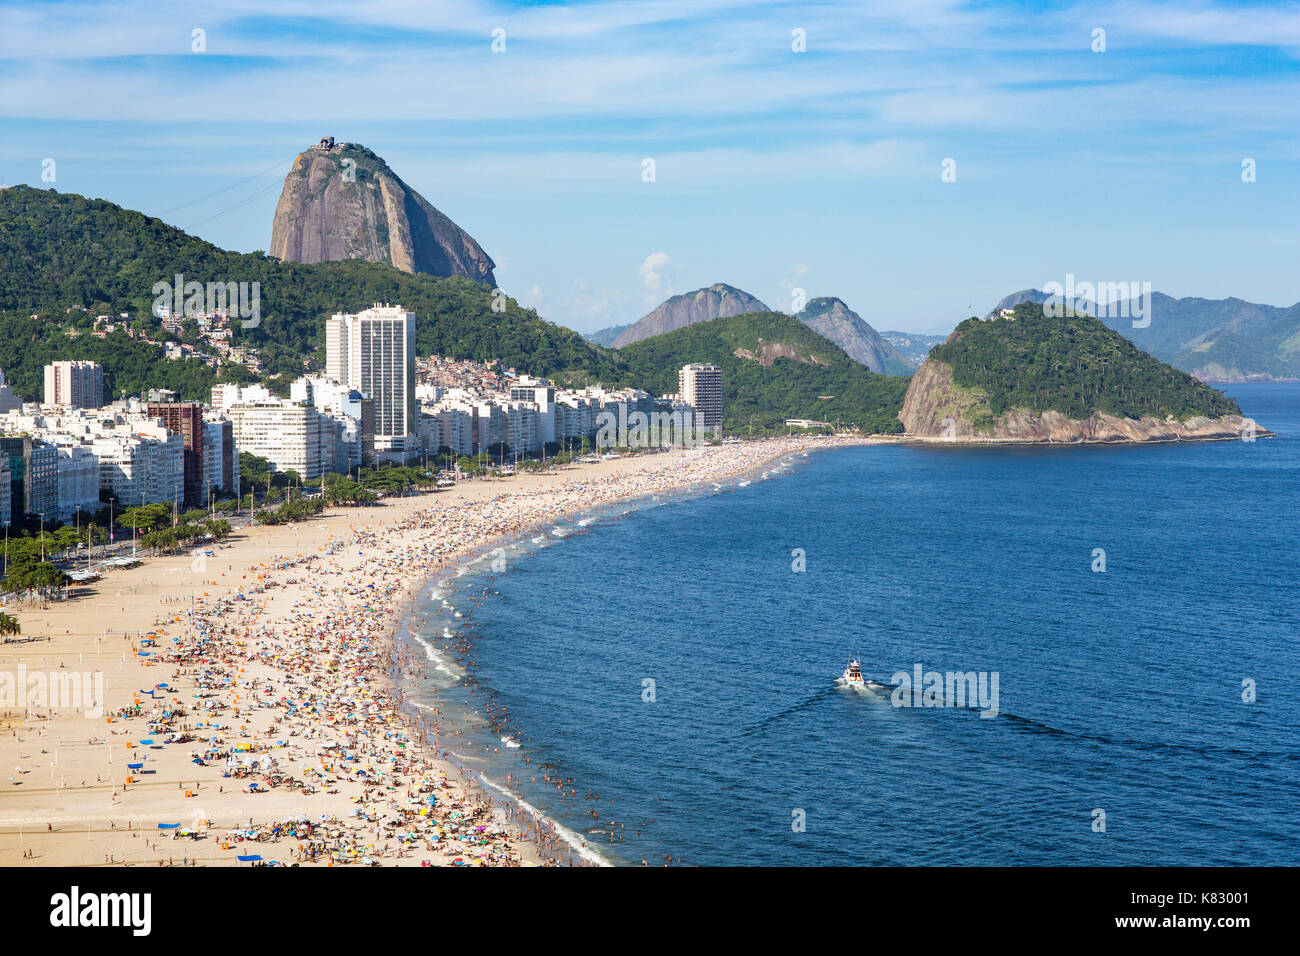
x,y
1119,691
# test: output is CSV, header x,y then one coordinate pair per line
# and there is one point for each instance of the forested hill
x,y
62,252
1073,365
773,367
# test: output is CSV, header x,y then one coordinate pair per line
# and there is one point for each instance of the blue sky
x,y
776,170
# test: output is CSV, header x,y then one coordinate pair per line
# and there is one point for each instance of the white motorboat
x,y
852,678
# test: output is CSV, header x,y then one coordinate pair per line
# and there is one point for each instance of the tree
x,y
9,625
42,579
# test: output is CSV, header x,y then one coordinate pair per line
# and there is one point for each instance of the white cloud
x,y
588,302
654,283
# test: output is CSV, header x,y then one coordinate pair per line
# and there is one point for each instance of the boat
x,y
852,678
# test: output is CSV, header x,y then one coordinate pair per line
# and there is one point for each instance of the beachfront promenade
x,y
245,700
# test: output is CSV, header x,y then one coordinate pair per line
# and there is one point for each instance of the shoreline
x,y
288,620
466,565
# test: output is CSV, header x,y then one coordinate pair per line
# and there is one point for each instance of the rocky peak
x,y
342,201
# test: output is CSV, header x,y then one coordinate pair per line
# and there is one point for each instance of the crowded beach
x,y
242,706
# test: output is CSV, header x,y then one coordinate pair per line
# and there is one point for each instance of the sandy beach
x,y
242,702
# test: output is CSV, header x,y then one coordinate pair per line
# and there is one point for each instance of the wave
x,y
439,662
575,840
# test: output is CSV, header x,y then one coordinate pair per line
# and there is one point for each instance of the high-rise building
x,y
220,459
700,386
291,436
374,352
74,384
34,477
6,492
186,419
541,393
78,481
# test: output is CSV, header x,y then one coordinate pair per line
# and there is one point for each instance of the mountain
x,y
606,336
773,367
717,301
1216,340
914,346
62,255
344,202
1036,296
832,319
1032,378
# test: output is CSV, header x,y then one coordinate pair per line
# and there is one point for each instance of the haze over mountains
x,y
341,201
1216,340
914,346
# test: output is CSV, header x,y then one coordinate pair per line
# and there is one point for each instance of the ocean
x,y
673,666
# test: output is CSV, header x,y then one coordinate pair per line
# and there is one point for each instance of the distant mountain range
x,y
773,367
341,201
717,301
829,317
606,336
1216,340
914,346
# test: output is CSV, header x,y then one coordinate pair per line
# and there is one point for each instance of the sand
x,y
278,647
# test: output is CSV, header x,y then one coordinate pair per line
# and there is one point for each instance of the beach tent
x,y
169,826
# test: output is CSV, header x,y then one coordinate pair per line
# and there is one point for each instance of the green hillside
x,y
1074,365
63,251
773,367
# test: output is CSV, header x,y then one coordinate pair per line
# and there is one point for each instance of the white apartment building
x,y
523,426
224,396
78,481
352,413
449,424
374,352
292,437
74,384
143,464
541,393
489,425
700,386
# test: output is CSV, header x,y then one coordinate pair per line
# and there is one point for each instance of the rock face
x,y
937,409
771,351
717,301
344,202
833,320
